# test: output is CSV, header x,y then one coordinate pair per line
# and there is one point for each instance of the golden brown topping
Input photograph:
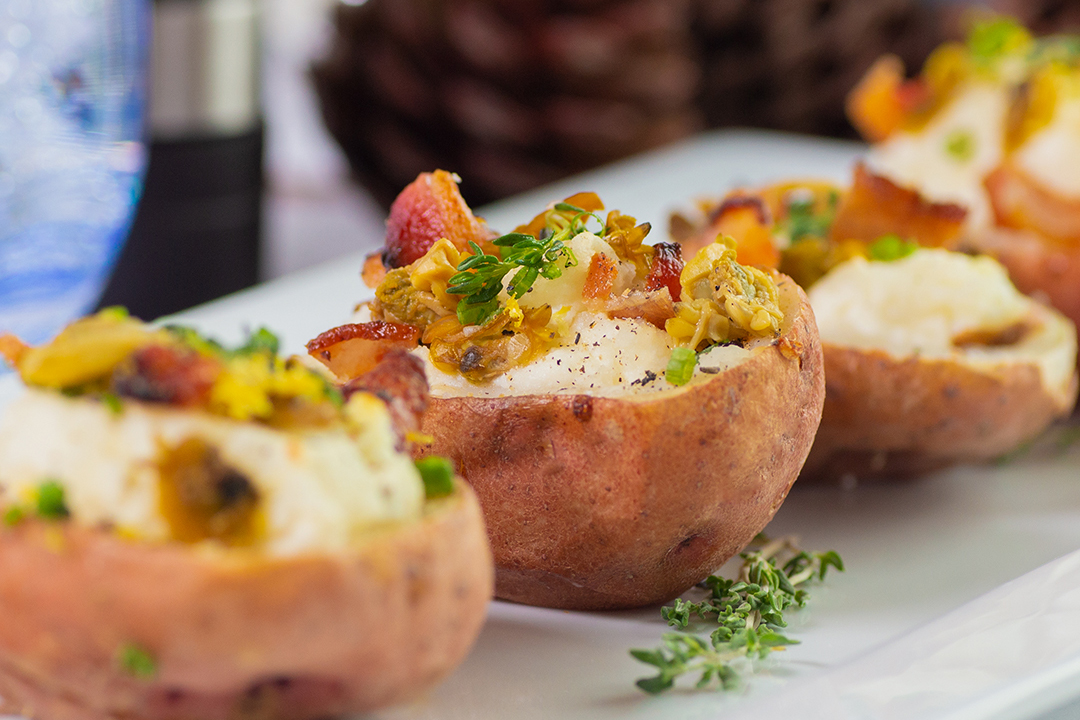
x,y
86,350
724,301
653,306
202,498
481,353
625,237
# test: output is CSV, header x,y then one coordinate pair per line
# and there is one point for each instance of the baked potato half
x,y
991,124
191,531
627,422
932,357
601,502
932,360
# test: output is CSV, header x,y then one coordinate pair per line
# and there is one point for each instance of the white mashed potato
x,y
921,160
319,489
917,305
1052,155
600,356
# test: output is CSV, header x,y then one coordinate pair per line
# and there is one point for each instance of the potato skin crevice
x,y
236,634
635,499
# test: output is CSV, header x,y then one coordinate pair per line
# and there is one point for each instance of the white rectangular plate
x,y
914,551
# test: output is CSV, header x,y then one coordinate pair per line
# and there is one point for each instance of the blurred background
x,y
280,130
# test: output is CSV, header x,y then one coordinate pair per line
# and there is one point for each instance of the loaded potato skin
x,y
889,417
615,502
628,421
264,547
235,634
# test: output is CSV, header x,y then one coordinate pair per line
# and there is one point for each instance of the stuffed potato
x,y
195,532
932,357
628,423
991,124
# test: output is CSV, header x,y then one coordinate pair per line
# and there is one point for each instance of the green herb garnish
x,y
747,613
680,367
437,474
804,221
136,662
14,515
996,38
50,501
960,144
261,340
258,341
480,276
891,247
112,402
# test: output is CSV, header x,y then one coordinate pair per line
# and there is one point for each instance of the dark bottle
x,y
196,234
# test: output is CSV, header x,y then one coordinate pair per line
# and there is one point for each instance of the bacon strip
x,y
654,306
1022,203
356,348
398,380
876,206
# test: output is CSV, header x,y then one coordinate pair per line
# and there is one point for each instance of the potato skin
x,y
1038,266
887,417
235,634
601,503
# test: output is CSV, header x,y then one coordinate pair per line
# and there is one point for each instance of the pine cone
x,y
789,64
509,93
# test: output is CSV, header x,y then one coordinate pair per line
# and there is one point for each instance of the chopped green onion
x,y
14,515
960,144
891,247
112,402
50,501
136,662
680,367
437,474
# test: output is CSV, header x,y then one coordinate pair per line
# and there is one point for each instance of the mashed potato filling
x,y
920,305
319,489
598,356
947,159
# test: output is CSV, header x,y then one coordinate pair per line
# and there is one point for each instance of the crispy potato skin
x,y
599,503
886,417
237,635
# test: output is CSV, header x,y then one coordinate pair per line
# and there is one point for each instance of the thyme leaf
x,y
748,614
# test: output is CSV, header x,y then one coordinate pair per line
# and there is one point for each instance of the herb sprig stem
x,y
748,614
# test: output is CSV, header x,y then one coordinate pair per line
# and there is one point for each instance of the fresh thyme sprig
x,y
480,276
748,613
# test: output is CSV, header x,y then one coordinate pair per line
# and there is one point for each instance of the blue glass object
x,y
72,90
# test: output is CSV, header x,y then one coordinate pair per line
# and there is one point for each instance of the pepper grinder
x,y
196,233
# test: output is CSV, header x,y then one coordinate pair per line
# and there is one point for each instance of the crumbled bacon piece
x,y
356,348
163,374
876,206
374,271
666,269
654,306
1022,203
398,380
429,208
12,349
600,279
